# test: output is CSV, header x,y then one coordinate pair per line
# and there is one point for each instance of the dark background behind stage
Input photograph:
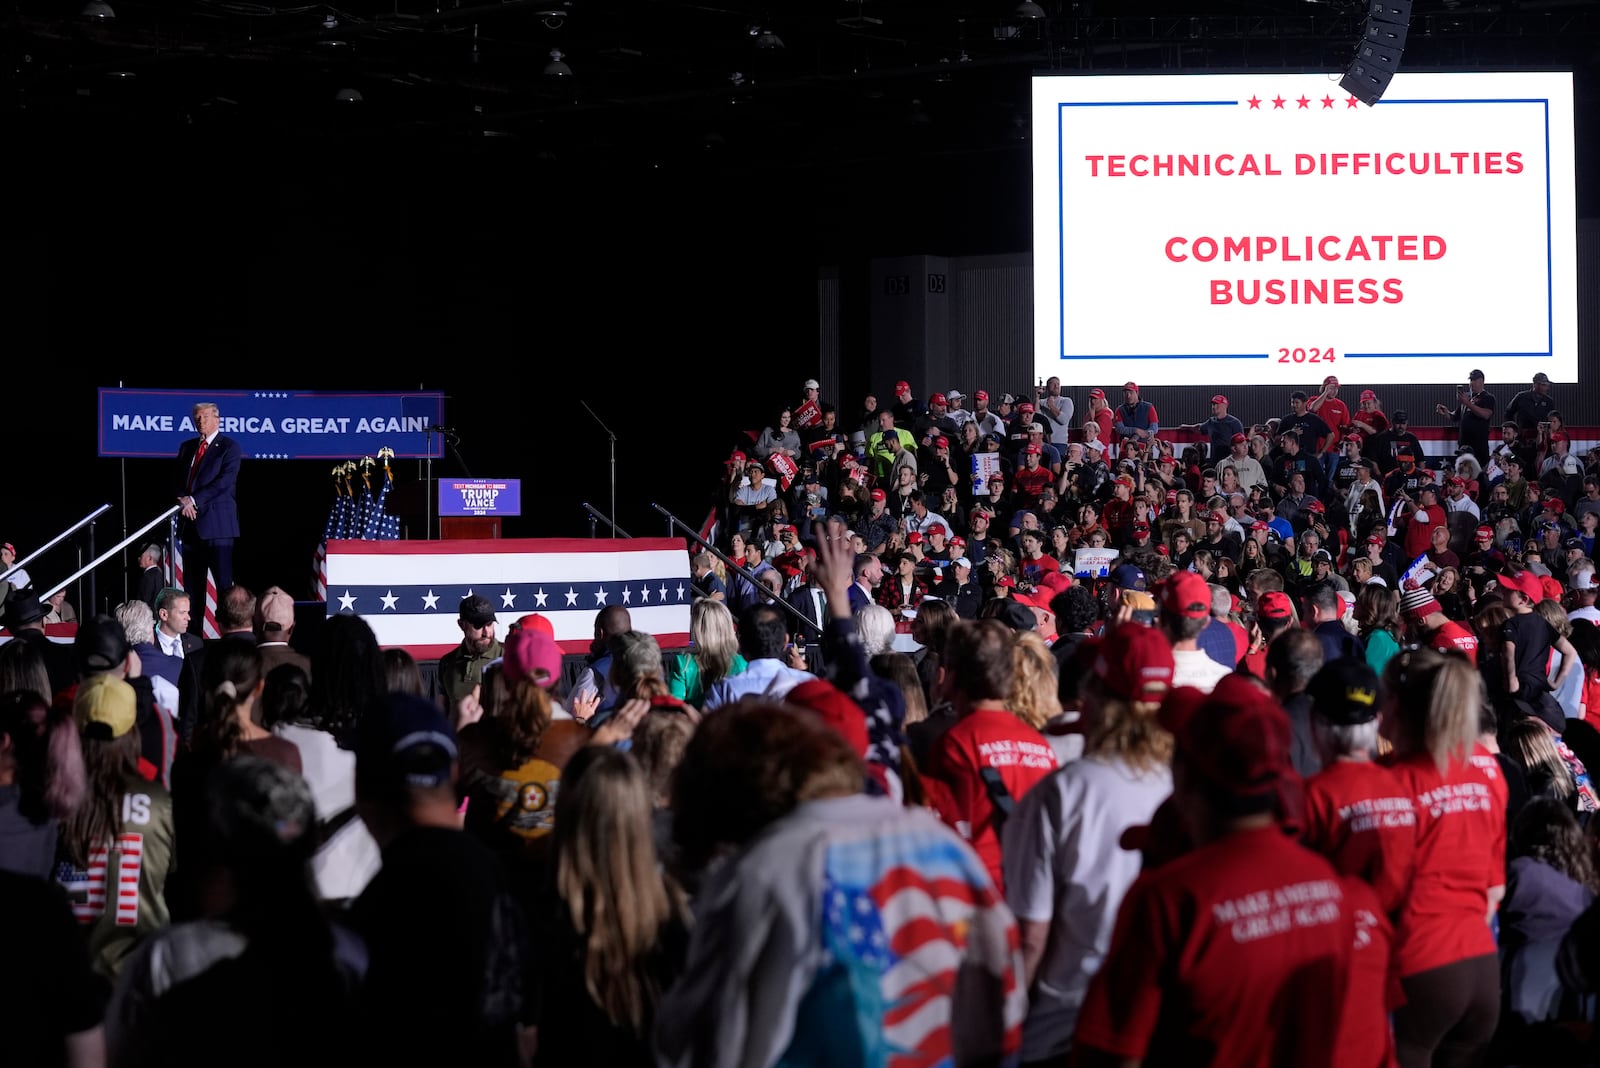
x,y
646,241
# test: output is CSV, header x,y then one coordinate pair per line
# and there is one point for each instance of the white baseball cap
x,y
1584,579
962,561
810,383
954,394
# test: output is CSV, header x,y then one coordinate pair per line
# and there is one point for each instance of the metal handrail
x,y
595,513
57,540
109,553
727,562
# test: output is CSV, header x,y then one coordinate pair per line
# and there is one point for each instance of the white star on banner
x,y
540,598
572,597
347,602
627,595
508,599
680,591
431,600
644,594
388,600
600,596
663,592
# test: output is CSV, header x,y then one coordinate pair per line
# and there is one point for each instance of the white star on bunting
x,y
600,596
508,599
540,598
663,592
680,591
627,595
572,597
430,600
347,602
388,600
644,594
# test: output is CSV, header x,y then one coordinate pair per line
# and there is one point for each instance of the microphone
x,y
439,430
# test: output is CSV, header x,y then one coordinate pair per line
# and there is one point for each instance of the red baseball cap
x,y
1006,581
941,442
914,538
1259,525
1525,583
1238,740
1316,506
1141,527
1186,594
1131,385
1367,394
1098,392
1025,406
937,528
1123,480
1172,496
1355,436
1334,379
1162,550
1375,539
1555,504
1218,516
1552,588
535,621
1237,438
879,495
938,398
1032,450
835,708
981,394
1219,399
902,386
1135,662
957,542
1274,605
1486,532
1054,581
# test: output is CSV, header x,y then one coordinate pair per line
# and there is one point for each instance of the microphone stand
x,y
613,438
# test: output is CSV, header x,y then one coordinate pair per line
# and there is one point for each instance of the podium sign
x,y
480,497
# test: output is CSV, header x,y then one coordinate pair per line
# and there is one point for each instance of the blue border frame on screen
x,y
1061,236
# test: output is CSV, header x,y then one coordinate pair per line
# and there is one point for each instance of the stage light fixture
x,y
98,9
557,67
1028,10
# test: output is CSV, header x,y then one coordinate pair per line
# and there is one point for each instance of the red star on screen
x,y
1304,101
1255,102
1327,101
1277,101
1351,102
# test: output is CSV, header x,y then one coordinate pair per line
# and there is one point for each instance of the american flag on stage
x,y
903,913
409,591
209,626
377,524
337,526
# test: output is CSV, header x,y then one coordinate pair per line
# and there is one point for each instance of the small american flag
x,y
209,627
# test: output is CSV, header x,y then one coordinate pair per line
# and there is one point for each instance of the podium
x,y
462,527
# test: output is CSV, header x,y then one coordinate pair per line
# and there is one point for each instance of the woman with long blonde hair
x,y
618,934
1445,952
1034,698
1066,872
714,653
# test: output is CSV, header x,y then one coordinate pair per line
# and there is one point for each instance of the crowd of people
x,y
1003,737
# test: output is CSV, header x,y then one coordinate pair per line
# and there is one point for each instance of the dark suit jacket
x,y
213,490
151,583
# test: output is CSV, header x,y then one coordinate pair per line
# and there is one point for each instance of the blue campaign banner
x,y
492,496
274,424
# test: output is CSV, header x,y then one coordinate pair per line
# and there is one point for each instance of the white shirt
x,y
1465,504
1064,864
1589,612
347,861
172,645
1062,427
912,523
1192,667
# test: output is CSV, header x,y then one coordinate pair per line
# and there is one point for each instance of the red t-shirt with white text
x,y
988,738
1228,956
1461,853
1365,1040
1360,816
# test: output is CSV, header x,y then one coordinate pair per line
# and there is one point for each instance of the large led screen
x,y
1270,229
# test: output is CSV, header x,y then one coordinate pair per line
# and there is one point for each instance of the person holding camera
x,y
1473,413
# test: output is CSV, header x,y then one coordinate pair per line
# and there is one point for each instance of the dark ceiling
x,y
738,83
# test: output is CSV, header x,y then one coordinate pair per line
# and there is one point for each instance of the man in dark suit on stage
x,y
151,579
208,468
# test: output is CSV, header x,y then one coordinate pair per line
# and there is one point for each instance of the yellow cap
x,y
106,699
